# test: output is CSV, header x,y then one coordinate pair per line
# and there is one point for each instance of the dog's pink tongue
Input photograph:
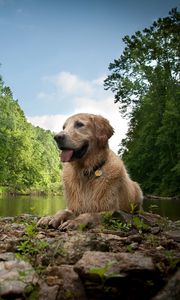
x,y
66,155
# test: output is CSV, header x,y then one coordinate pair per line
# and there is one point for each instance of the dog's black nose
x,y
59,138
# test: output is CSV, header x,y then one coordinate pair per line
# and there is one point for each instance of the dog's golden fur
x,y
97,181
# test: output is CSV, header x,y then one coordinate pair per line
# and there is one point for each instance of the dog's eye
x,y
78,124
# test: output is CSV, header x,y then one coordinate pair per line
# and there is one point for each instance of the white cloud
x,y
70,84
48,122
86,96
99,80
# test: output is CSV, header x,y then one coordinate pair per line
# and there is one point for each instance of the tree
x,y
29,159
145,80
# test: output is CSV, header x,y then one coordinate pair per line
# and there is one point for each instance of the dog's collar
x,y
96,170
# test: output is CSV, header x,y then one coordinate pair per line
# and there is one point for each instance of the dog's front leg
x,y
56,220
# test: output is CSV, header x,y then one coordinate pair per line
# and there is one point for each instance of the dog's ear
x,y
103,130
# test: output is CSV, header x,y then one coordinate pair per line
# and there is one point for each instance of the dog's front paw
x,y
44,221
85,220
56,220
69,225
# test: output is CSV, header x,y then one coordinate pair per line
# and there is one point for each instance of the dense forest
x,y
146,83
29,159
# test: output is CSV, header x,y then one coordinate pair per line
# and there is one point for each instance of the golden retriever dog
x,y
94,177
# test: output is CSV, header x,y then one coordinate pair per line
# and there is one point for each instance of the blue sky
x,y
54,54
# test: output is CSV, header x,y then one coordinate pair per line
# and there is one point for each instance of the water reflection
x,y
166,208
42,206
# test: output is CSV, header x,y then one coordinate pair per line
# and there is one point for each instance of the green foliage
x,y
31,292
145,80
30,230
29,156
30,247
112,223
38,251
129,248
102,271
133,207
139,224
173,261
152,240
69,295
82,227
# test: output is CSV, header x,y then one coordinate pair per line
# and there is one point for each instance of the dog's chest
x,y
88,184
84,186
87,193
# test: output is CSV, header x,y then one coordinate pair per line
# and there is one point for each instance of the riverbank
x,y
126,257
53,189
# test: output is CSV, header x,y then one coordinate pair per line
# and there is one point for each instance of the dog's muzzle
x,y
69,152
60,139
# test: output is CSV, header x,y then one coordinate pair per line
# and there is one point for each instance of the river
x,y
41,206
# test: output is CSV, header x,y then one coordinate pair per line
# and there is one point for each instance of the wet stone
x,y
174,235
15,277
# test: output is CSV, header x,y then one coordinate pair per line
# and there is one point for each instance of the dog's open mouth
x,y
68,155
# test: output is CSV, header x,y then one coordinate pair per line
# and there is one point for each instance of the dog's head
x,y
82,133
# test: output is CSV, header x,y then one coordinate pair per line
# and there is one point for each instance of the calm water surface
x,y
166,208
41,206
16,205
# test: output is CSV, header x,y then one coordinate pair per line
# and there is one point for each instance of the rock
x,y
134,246
159,248
151,219
16,277
7,256
118,262
173,234
172,289
122,216
47,292
133,263
62,283
137,238
155,230
115,275
76,244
